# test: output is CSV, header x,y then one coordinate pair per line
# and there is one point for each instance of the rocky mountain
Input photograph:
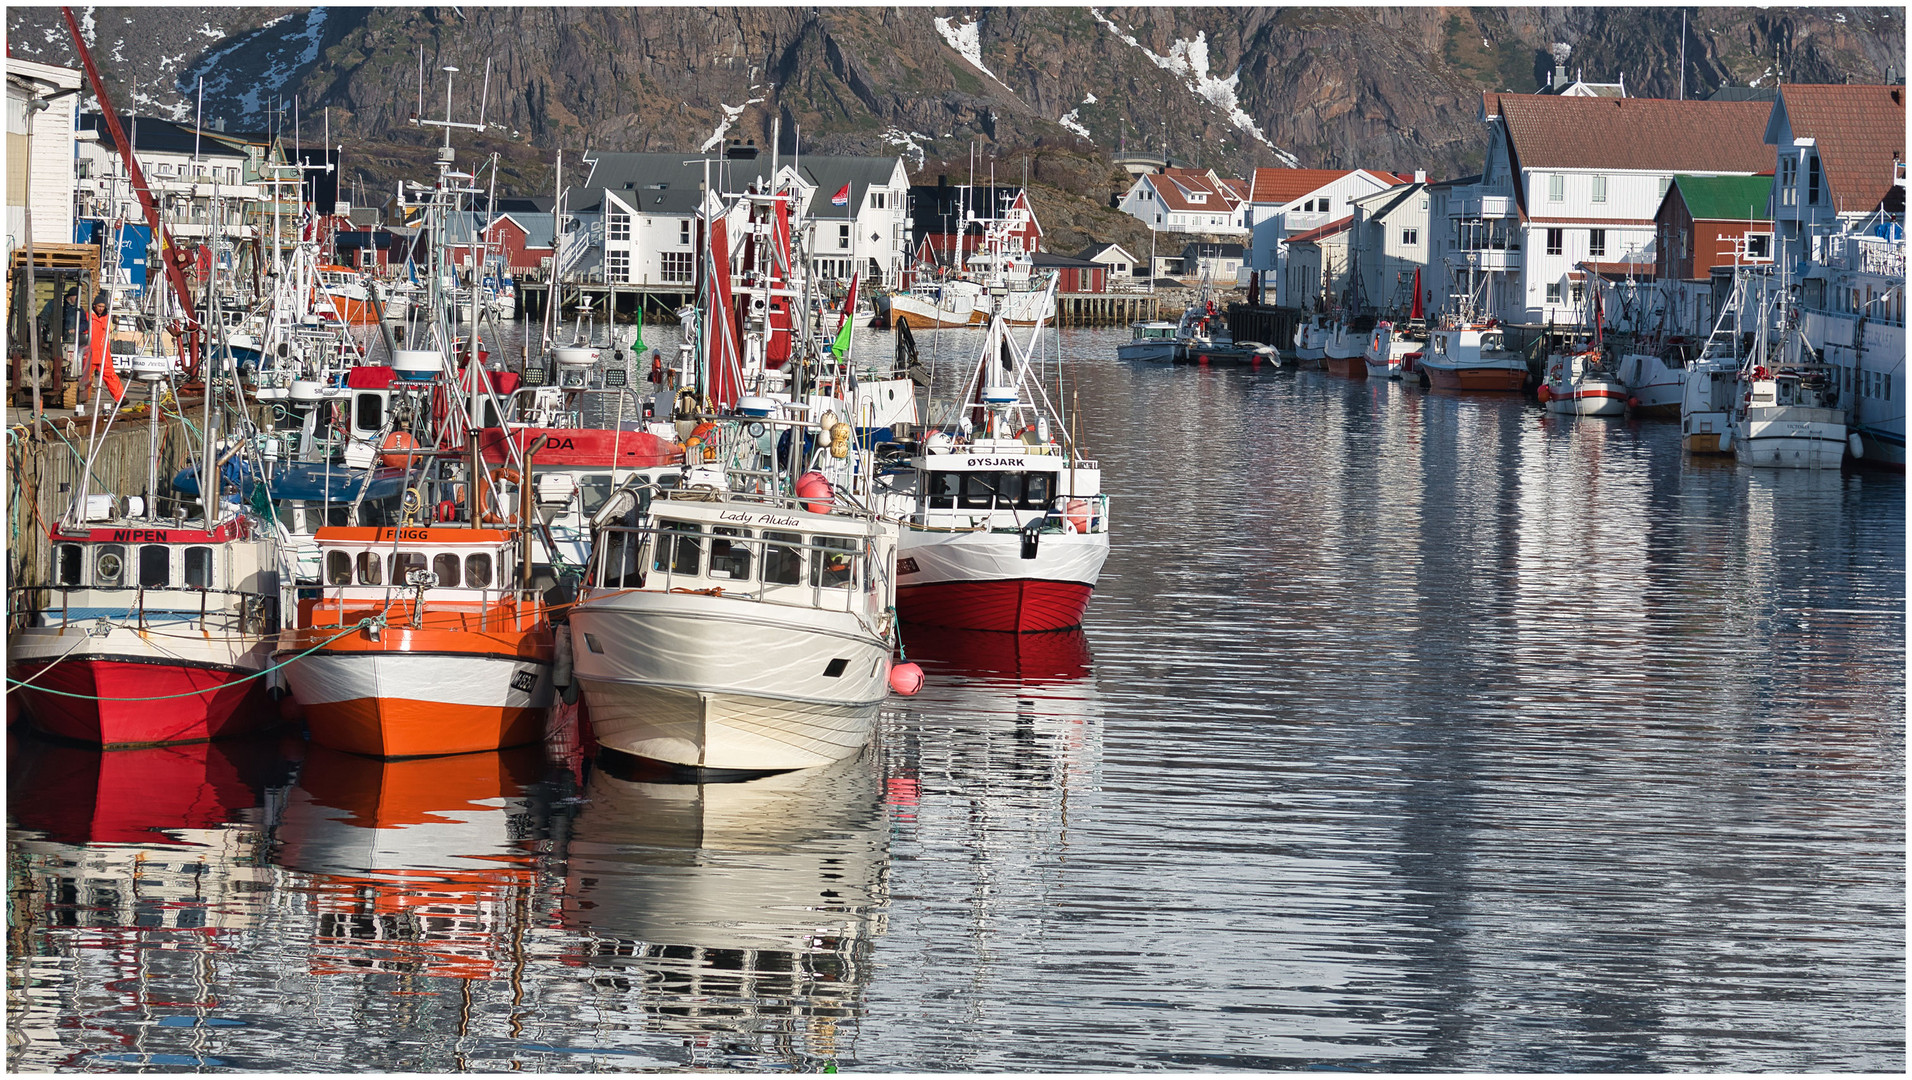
x,y
1055,91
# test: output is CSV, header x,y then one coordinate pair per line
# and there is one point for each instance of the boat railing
x,y
250,612
626,557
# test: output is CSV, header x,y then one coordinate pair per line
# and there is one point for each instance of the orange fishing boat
x,y
454,650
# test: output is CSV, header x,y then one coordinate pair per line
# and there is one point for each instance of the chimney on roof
x,y
1561,50
1420,176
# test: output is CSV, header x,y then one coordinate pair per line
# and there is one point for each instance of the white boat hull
x,y
1790,442
718,683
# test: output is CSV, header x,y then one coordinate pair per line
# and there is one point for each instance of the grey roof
x,y
461,226
1093,250
1212,251
664,184
829,173
1396,196
1044,258
1744,93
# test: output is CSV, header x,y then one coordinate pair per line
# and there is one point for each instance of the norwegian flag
x,y
842,197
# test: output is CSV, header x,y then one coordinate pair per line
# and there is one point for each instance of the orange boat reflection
x,y
416,866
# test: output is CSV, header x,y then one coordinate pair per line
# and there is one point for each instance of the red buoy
x,y
814,485
906,679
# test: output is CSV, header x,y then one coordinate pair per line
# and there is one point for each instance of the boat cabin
x,y
454,562
158,573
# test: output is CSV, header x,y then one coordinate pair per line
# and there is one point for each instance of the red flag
x,y
842,197
1415,312
724,365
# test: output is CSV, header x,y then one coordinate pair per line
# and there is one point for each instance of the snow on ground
x,y
1189,59
967,40
1073,123
731,113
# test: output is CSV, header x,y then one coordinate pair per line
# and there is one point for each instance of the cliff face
x,y
1055,90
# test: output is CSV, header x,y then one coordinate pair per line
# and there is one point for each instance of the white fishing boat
x,y
740,621
1852,308
1467,354
1389,349
1787,418
1156,341
1655,379
1343,348
1005,526
1311,337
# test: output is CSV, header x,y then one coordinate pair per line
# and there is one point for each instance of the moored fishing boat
x,y
729,624
150,631
1156,341
423,639
1577,383
1005,526
1655,379
1343,349
1388,351
1463,354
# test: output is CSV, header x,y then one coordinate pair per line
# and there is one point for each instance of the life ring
x,y
1760,374
491,515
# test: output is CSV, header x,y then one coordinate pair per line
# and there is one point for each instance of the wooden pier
x,y
1108,309
625,302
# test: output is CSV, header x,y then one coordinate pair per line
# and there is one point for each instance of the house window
x,y
1788,182
617,267
617,226
683,233
1665,183
1556,242
1556,188
877,200
1410,237
1599,189
1812,180
1596,243
676,266
843,236
1553,292
1759,245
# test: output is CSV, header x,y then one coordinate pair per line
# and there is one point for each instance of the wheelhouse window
x,y
729,554
369,412
68,564
944,487
198,567
371,568
403,563
679,548
478,570
445,565
338,568
782,565
155,566
109,564
835,564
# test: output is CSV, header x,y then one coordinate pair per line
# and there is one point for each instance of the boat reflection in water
x,y
1054,656
738,914
416,864
170,795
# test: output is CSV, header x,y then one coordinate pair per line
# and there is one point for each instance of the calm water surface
x,y
1408,732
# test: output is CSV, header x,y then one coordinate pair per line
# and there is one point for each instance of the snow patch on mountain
x,y
1189,60
283,48
905,141
967,40
731,113
1073,123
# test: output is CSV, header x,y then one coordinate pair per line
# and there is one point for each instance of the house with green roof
x,y
1708,221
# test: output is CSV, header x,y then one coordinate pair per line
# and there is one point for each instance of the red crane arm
x,y
173,273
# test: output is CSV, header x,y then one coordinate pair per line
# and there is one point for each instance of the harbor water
x,y
1408,732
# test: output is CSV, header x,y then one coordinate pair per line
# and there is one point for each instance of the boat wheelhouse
x,y
421,640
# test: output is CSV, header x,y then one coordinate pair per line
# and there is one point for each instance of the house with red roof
x,y
1835,151
1573,180
1187,201
1287,203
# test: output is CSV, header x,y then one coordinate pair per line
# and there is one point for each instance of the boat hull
x,y
980,581
220,699
1482,379
418,693
1020,606
174,654
1154,352
717,683
1791,443
1354,367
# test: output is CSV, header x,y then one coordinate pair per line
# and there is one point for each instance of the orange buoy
x,y
1544,394
906,679
814,486
392,451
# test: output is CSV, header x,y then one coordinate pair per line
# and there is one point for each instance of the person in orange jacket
x,y
99,355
